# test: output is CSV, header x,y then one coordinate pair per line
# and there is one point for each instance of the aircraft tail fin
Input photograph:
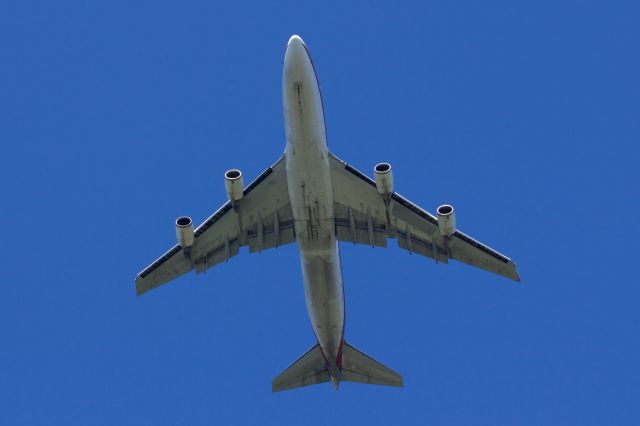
x,y
307,370
361,368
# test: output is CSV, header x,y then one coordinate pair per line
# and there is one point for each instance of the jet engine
x,y
184,231
384,178
233,185
446,219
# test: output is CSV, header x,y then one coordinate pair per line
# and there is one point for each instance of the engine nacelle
x,y
446,219
184,231
384,178
233,184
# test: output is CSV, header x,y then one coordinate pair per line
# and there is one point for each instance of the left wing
x,y
363,217
262,219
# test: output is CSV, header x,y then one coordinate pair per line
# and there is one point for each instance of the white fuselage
x,y
311,196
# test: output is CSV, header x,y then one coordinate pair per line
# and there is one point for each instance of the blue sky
x,y
117,117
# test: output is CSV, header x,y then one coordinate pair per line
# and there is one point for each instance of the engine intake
x,y
446,219
184,231
233,184
384,178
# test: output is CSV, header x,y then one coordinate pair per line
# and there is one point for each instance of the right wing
x,y
262,220
362,217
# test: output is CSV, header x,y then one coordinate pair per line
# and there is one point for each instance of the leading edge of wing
x,y
227,206
395,196
161,260
422,213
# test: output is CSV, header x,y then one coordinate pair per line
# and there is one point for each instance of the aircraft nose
x,y
296,48
296,58
295,40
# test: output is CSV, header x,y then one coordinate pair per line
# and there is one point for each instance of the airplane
x,y
313,198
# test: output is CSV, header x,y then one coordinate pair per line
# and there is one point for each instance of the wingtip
x,y
140,290
516,277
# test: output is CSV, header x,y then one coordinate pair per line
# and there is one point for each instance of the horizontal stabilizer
x,y
361,368
309,369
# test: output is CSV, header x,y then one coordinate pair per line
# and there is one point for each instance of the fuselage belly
x,y
311,196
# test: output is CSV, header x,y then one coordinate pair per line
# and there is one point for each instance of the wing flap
x,y
357,227
272,231
414,244
222,252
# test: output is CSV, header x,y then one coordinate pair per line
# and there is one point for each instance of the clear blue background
x,y
116,117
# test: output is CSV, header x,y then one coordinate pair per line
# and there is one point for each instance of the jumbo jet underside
x,y
311,197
